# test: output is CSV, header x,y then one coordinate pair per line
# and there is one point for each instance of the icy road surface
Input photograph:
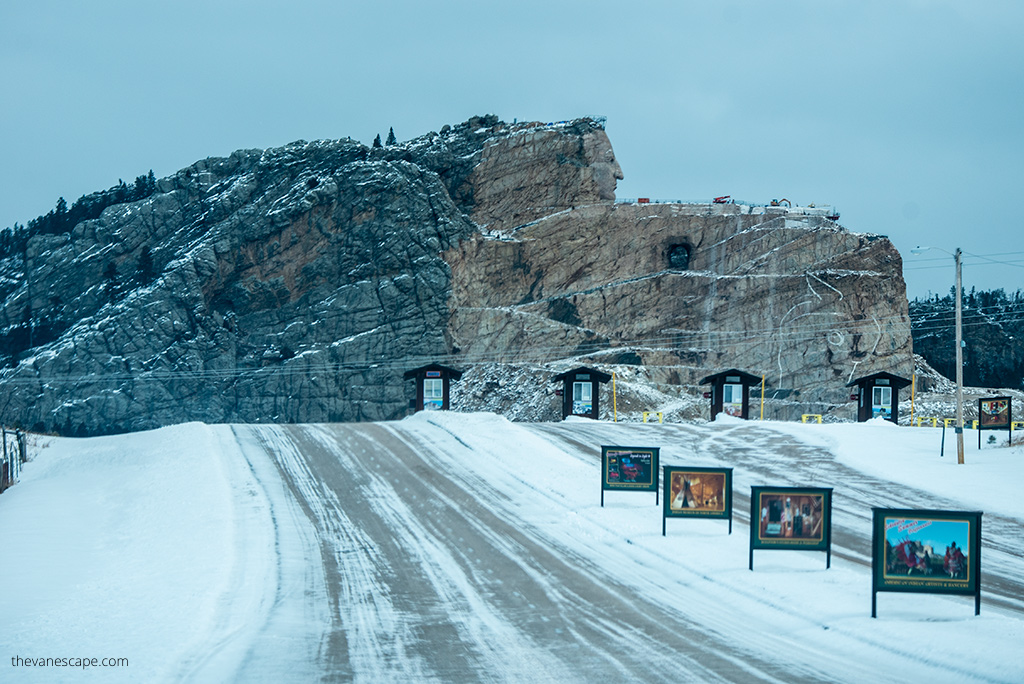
x,y
464,548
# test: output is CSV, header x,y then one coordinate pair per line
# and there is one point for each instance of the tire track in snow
x,y
263,628
598,622
453,629
457,593
465,593
366,639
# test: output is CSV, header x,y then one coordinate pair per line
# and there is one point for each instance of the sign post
x,y
792,518
995,413
697,493
926,551
629,468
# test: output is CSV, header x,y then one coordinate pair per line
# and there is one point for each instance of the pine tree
x,y
391,138
376,141
138,190
58,217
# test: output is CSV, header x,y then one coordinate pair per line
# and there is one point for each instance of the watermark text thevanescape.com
x,y
84,663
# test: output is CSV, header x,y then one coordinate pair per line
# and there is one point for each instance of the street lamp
x,y
959,353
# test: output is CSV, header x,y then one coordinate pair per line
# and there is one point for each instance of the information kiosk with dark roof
x,y
433,384
580,391
878,395
730,392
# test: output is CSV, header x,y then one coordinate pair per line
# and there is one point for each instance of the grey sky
x,y
904,114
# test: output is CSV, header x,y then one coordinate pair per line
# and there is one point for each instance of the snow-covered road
x,y
462,547
434,579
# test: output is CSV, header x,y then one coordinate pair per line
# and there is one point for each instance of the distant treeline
x,y
993,330
62,218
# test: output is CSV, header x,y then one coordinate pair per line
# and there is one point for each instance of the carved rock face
x,y
604,169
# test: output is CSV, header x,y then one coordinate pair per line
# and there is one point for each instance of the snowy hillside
x,y
463,547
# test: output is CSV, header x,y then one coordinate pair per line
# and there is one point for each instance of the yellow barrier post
x,y
615,408
913,385
762,396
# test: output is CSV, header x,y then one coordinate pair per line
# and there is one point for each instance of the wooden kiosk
x,y
730,392
581,391
433,387
878,395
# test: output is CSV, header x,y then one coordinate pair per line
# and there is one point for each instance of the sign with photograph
x,y
794,518
732,396
697,493
926,551
994,413
631,468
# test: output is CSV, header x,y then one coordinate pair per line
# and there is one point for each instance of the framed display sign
x,y
697,493
935,552
630,468
793,518
995,413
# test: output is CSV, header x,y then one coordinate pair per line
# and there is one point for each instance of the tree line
x,y
62,218
993,333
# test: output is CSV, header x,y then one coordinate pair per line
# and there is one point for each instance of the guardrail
x,y
649,200
823,209
950,422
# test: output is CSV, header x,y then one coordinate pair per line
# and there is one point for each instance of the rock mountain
x,y
299,283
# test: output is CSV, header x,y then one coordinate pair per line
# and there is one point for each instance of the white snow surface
x,y
187,551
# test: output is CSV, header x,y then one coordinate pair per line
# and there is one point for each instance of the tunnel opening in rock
x,y
679,256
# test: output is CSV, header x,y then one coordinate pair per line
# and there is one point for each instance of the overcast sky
x,y
903,114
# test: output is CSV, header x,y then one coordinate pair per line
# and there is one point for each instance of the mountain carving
x,y
298,284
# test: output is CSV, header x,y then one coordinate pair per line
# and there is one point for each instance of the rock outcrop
x,y
687,289
299,283
289,281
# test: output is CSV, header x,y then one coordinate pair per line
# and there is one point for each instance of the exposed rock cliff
x,y
297,284
288,281
685,290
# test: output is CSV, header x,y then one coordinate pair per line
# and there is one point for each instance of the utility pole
x,y
959,368
959,429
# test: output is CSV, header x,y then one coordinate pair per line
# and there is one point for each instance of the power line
x,y
780,334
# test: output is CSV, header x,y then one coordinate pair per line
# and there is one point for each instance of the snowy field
x,y
463,547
